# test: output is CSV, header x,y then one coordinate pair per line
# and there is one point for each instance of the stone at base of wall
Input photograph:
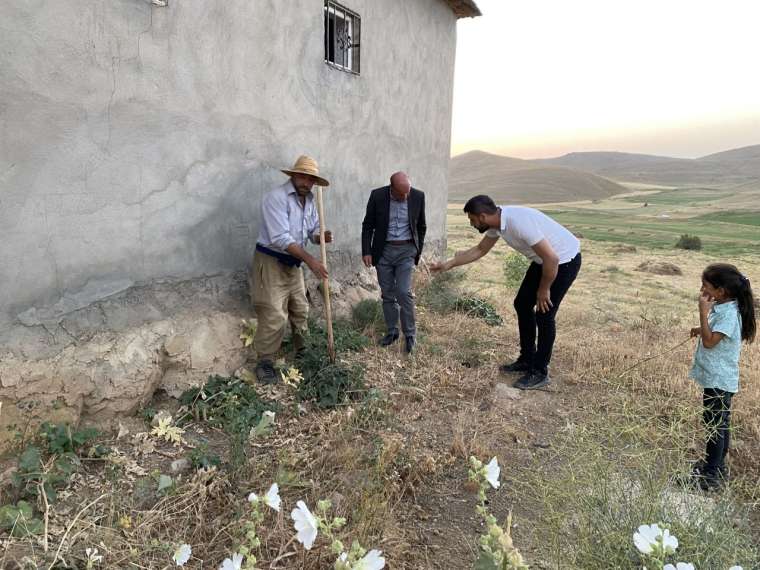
x,y
112,366
114,374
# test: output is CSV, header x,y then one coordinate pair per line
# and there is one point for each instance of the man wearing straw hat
x,y
289,219
393,235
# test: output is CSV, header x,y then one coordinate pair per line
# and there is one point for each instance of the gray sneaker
x,y
532,381
265,372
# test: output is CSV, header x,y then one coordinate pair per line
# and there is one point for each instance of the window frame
x,y
335,11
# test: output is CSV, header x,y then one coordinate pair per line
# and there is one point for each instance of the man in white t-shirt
x,y
556,259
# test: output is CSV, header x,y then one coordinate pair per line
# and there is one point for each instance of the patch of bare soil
x,y
659,268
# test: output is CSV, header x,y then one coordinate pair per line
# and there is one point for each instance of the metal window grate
x,y
342,37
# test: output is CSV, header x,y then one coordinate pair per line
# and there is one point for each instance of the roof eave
x,y
464,8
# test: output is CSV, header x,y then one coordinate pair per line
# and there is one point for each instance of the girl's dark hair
x,y
737,287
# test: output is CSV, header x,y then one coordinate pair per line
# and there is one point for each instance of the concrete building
x,y
137,137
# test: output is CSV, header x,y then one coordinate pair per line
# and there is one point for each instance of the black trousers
x,y
538,354
717,419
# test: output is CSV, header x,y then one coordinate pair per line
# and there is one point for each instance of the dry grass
x,y
395,463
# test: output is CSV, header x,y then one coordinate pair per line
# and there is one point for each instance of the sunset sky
x,y
545,77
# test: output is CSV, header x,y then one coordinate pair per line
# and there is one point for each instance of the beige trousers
x,y
279,296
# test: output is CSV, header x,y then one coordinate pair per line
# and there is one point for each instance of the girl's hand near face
x,y
705,303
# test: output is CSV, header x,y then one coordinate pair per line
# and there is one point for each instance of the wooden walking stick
x,y
325,282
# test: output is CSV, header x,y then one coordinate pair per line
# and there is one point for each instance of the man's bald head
x,y
400,186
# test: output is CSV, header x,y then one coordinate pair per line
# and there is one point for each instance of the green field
x,y
727,229
732,217
718,237
680,196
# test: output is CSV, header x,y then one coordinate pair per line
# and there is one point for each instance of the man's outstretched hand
x,y
438,267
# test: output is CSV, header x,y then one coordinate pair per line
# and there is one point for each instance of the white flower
x,y
235,564
651,537
182,554
669,543
253,497
680,566
92,555
305,524
272,498
373,561
269,414
736,568
492,473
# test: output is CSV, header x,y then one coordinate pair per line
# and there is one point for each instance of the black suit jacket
x,y
375,225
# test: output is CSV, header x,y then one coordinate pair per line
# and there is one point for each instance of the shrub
x,y
367,314
228,403
515,266
443,295
231,404
64,446
330,383
478,307
689,242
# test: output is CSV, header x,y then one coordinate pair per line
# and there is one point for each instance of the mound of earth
x,y
514,181
659,268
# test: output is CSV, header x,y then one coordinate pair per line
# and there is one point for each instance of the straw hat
x,y
306,165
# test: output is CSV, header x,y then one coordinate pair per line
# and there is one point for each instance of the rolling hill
x,y
515,181
729,168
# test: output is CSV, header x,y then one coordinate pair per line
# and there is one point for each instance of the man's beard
x,y
482,229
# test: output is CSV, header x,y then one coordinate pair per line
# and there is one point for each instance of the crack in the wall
x,y
115,64
147,30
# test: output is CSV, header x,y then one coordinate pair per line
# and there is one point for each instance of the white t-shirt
x,y
523,227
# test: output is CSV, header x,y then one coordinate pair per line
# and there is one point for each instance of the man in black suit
x,y
393,234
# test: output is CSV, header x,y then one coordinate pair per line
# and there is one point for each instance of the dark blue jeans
x,y
717,419
529,322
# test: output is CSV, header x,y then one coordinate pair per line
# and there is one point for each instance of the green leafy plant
x,y
64,444
478,307
330,383
202,458
62,438
19,520
368,315
515,266
443,295
231,404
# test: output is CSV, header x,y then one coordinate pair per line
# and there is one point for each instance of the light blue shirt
x,y
284,221
398,220
718,367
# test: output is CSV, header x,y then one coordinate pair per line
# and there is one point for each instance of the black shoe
x,y
708,482
265,372
707,479
410,342
389,339
516,366
532,381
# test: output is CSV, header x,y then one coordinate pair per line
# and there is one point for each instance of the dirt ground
x,y
397,468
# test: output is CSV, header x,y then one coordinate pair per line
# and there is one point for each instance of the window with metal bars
x,y
342,34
